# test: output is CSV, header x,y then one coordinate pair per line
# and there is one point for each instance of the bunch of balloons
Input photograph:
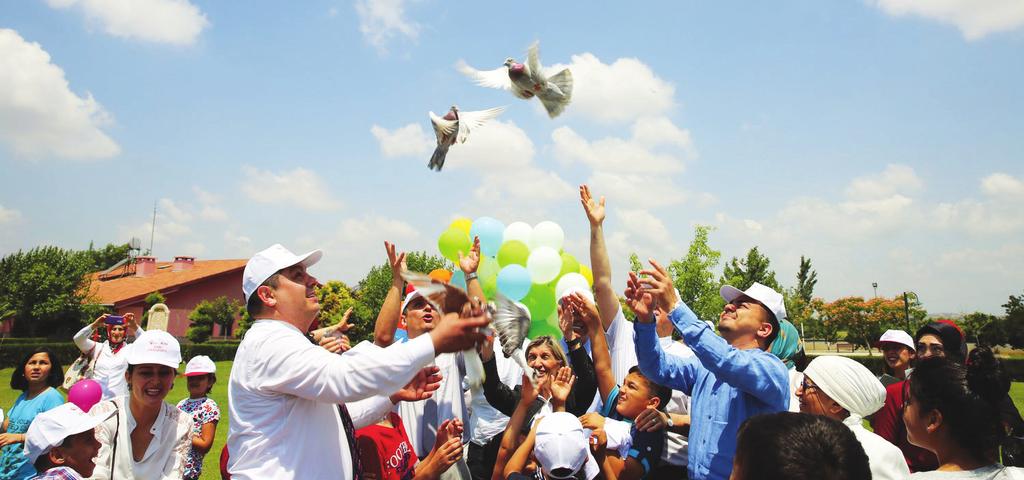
x,y
524,263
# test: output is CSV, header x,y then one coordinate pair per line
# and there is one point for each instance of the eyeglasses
x,y
806,387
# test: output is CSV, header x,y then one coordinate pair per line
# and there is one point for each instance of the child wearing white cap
x,y
146,438
201,374
61,443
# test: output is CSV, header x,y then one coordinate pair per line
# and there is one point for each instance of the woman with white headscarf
x,y
840,388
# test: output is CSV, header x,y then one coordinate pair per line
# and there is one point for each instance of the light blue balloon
x,y
491,233
514,282
458,279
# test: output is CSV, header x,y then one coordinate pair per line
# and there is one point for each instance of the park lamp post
x,y
874,285
906,308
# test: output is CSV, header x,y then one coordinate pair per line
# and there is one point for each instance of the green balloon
x,y
453,241
569,265
513,252
547,326
541,301
488,273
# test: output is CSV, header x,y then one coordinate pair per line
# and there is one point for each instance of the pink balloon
x,y
85,394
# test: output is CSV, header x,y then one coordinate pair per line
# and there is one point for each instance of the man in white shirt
x,y
287,397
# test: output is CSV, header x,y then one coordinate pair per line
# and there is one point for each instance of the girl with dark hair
x,y
798,446
37,378
943,339
952,411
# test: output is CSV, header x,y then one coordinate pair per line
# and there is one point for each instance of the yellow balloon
x,y
462,223
589,275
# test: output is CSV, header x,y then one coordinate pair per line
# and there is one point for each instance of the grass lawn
x,y
211,464
211,467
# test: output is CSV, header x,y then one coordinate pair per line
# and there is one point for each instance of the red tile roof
x,y
130,289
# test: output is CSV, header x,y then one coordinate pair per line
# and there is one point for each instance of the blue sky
x,y
881,138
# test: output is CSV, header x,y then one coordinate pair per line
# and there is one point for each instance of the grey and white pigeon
x,y
446,298
455,126
527,81
511,322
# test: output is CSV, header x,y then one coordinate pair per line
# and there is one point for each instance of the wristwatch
x,y
471,276
668,423
574,343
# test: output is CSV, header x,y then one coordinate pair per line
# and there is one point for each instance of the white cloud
x,y
298,187
39,114
974,18
382,20
621,92
895,179
410,140
357,244
1001,185
173,224
8,215
211,209
175,22
1005,260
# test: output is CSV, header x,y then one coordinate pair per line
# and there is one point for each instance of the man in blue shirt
x,y
730,378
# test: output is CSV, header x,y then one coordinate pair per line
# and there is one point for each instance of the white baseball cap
x,y
155,346
410,294
897,336
200,365
268,262
562,447
771,299
50,428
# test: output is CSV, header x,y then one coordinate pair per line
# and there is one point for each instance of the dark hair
x,y
54,379
661,392
800,360
213,379
967,397
797,446
43,462
951,336
255,306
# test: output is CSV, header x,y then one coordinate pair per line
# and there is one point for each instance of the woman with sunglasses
x,y
942,339
111,353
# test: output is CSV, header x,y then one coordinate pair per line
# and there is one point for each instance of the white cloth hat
x,y
897,336
200,365
563,444
50,428
847,382
155,346
268,262
771,299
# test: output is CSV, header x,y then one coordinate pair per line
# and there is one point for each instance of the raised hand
x,y
639,300
592,421
565,321
651,420
130,323
471,261
659,283
561,386
396,261
585,310
528,394
421,387
594,209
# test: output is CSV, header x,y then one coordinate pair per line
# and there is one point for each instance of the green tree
x,y
44,290
372,289
980,328
694,276
244,322
798,299
1013,323
635,265
151,299
335,298
106,257
742,273
219,311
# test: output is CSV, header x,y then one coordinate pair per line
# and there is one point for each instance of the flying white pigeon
x,y
526,81
455,126
446,298
511,321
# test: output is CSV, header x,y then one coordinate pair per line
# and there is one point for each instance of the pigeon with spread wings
x,y
527,81
455,126
445,299
511,321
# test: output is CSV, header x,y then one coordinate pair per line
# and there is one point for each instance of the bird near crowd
x,y
527,81
455,126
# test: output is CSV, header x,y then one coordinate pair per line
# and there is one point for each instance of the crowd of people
x,y
666,395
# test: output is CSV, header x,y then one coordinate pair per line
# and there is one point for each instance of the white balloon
x,y
571,281
547,234
544,264
521,231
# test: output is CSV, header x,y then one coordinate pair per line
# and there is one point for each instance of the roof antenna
x,y
152,230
